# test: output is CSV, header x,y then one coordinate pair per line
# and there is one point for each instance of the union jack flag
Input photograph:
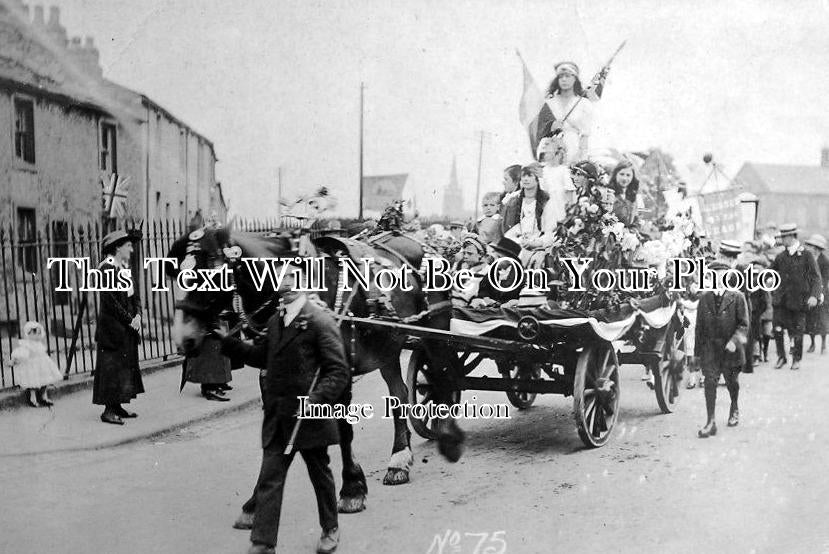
x,y
115,189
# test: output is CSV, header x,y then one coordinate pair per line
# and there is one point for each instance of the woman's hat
x,y
33,328
507,247
588,169
113,240
818,241
475,242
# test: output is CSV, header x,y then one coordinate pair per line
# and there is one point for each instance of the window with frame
x,y
109,150
59,240
27,238
24,130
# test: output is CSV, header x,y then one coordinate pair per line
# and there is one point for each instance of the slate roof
x,y
785,179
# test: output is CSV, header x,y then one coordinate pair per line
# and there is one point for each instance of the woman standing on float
x,y
566,96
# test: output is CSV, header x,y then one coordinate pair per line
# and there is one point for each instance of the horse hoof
x,y
351,505
396,476
450,447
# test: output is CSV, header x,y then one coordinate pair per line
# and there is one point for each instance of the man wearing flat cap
x,y
719,345
799,291
817,320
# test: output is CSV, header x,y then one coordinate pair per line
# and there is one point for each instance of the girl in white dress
x,y
566,96
34,370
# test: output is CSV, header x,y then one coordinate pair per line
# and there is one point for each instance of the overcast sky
x,y
276,83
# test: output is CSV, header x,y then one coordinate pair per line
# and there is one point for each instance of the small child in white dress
x,y
34,370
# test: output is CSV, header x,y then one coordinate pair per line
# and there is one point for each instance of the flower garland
x,y
591,230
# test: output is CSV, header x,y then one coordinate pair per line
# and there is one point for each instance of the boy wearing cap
x,y
799,291
720,336
303,346
731,252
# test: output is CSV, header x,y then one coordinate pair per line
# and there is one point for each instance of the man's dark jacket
x,y
799,279
716,327
288,359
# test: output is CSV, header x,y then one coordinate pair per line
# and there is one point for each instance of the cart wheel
x,y
669,373
522,400
421,391
596,394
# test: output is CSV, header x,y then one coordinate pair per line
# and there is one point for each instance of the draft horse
x,y
197,313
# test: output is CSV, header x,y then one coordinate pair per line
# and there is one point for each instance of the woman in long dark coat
x,y
117,377
817,319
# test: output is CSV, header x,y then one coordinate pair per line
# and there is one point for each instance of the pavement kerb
x,y
149,435
14,398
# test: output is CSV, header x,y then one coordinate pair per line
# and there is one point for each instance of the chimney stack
x,y
38,19
824,157
54,28
86,56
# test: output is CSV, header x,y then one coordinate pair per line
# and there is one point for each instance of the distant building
x,y
790,193
453,206
72,133
380,191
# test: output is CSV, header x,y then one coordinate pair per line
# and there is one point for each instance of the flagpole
x,y
360,210
478,186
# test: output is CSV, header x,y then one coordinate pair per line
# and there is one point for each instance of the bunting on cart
x,y
479,322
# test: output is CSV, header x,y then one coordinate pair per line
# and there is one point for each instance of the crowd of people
x,y
563,204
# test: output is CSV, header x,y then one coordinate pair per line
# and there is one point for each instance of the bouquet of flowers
x,y
592,230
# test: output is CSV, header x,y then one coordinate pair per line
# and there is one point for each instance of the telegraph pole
x,y
360,210
279,194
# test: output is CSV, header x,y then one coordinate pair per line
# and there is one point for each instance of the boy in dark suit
x,y
720,336
302,339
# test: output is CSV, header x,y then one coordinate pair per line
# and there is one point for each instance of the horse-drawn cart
x,y
545,350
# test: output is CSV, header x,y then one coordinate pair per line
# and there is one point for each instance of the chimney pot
x,y
89,43
38,20
76,42
824,157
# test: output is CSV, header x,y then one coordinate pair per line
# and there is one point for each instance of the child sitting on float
x,y
473,260
488,226
625,185
488,295
528,218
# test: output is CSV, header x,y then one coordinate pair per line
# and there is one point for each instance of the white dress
x,y
556,181
578,124
33,368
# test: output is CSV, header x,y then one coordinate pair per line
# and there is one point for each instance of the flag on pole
x,y
594,90
533,112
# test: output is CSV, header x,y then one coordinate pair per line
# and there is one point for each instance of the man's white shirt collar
x,y
292,309
793,248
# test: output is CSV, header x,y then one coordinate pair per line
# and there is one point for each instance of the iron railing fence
x,y
27,290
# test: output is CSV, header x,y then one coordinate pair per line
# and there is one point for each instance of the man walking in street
x,y
303,344
720,336
799,290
